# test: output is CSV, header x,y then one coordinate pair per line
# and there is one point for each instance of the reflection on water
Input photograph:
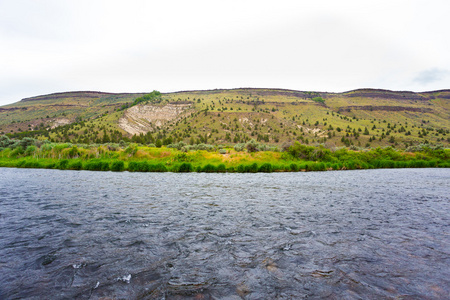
x,y
353,234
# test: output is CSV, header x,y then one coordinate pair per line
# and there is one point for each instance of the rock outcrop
x,y
144,118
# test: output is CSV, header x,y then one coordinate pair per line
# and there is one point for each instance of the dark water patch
x,y
341,235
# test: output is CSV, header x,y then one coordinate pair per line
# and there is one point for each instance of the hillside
x,y
363,118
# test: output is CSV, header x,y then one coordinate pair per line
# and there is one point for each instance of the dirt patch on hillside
x,y
60,122
318,131
144,118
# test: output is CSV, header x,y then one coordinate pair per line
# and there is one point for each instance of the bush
x,y
131,149
307,167
30,150
182,157
16,152
75,165
5,141
253,168
301,151
240,169
231,169
157,168
33,164
62,164
185,168
204,147
265,168
138,166
73,152
177,146
26,141
117,166
46,147
221,168
223,151
252,146
239,147
336,166
318,99
209,169
95,165
293,167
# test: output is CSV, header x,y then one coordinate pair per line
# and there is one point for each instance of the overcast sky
x,y
138,46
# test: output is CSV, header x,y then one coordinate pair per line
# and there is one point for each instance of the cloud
x,y
326,45
431,75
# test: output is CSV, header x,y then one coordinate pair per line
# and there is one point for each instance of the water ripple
x,y
353,235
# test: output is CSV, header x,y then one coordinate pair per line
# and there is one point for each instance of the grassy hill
x,y
362,118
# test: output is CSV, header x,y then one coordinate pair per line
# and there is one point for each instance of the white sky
x,y
49,46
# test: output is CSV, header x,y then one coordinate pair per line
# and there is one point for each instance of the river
x,y
365,234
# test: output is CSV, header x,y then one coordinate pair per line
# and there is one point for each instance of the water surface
x,y
367,234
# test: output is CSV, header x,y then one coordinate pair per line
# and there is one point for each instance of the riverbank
x,y
209,159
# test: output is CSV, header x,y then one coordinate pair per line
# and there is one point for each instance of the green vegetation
x,y
318,99
153,97
33,153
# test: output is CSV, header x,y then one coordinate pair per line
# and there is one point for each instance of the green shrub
x,y
131,149
177,146
59,147
252,146
131,166
182,157
46,147
185,168
73,152
75,165
50,166
293,167
336,166
62,164
157,168
143,166
318,99
253,168
318,167
301,151
308,167
432,164
419,164
30,150
209,169
5,141
26,141
96,165
303,166
28,164
231,170
239,147
221,168
117,166
138,166
240,169
350,165
265,168
16,152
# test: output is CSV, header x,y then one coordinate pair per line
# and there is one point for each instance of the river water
x,y
366,234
